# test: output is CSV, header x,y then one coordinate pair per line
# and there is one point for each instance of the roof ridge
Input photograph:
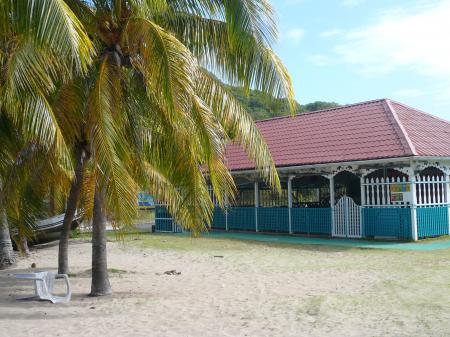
x,y
322,110
403,131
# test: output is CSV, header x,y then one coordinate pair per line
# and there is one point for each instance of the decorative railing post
x,y
412,181
363,203
447,196
290,202
256,205
332,202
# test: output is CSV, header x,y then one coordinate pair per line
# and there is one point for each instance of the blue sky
x,y
354,50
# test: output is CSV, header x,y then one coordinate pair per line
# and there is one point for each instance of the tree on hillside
x,y
260,106
319,105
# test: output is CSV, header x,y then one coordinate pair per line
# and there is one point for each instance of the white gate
x,y
347,218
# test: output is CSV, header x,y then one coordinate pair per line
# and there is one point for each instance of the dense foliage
x,y
261,107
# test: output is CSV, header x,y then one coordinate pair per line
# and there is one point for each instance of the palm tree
x,y
37,53
155,116
27,170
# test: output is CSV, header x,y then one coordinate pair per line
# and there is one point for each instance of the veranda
x,y
376,169
372,200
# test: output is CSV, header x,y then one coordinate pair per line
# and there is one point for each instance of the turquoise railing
x,y
392,222
311,220
241,218
432,221
273,219
219,220
163,219
161,212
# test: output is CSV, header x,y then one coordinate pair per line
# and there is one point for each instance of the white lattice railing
x,y
431,190
396,191
388,191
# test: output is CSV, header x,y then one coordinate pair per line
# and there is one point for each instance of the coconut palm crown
x,y
155,114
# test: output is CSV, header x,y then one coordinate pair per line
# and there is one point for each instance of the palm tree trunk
x,y
71,207
100,282
23,245
7,257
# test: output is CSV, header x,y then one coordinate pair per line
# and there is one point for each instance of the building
x,y
376,169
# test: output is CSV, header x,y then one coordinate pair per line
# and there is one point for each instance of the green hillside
x,y
260,107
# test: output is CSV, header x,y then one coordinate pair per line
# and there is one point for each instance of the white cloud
x,y
294,35
331,33
409,93
320,60
398,40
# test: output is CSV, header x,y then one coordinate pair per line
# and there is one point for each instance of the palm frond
x,y
52,24
108,144
239,124
243,58
165,63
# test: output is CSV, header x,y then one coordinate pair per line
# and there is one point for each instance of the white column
x,y
332,202
256,204
363,194
447,197
290,202
412,179
363,202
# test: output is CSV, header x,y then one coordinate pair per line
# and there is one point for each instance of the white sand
x,y
254,290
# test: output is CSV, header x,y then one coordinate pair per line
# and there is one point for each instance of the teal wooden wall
x,y
241,218
273,219
387,222
311,220
432,221
392,222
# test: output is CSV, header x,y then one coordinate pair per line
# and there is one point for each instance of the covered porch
x,y
376,169
400,200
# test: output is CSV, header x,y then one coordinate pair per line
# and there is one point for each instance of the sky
x,y
350,51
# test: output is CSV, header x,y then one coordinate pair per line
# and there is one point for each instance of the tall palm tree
x,y
154,114
42,43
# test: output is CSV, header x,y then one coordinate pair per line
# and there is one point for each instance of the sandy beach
x,y
235,288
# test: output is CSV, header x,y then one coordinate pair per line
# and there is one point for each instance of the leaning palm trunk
x,y
22,243
7,257
100,282
63,258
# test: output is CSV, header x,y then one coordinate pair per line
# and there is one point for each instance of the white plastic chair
x,y
43,286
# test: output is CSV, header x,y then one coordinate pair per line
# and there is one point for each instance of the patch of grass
x,y
312,307
438,238
187,243
88,272
117,271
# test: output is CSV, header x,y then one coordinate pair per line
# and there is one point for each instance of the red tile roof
x,y
362,131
